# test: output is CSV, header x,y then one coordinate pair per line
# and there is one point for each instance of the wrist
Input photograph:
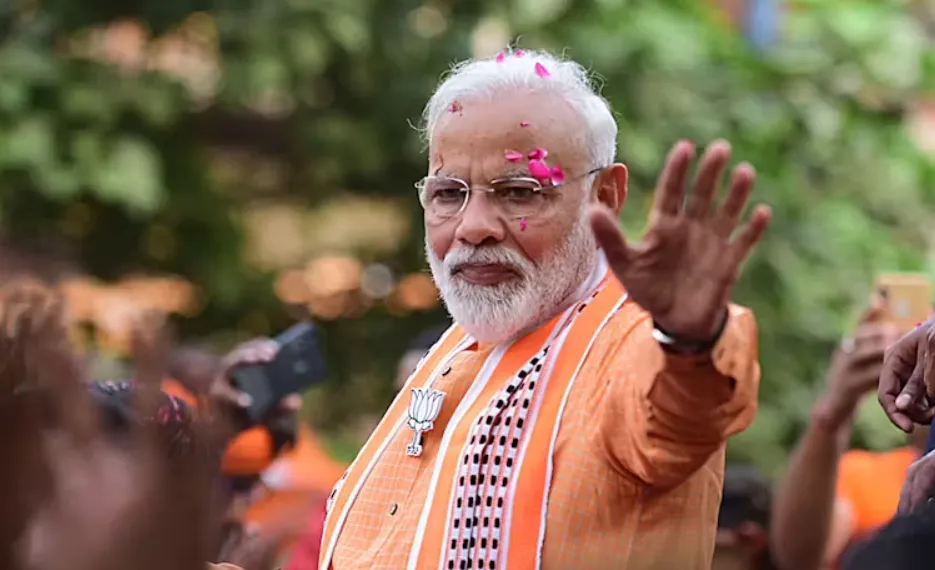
x,y
833,413
681,343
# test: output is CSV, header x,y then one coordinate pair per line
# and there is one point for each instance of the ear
x,y
612,187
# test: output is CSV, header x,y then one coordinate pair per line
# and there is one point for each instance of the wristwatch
x,y
675,345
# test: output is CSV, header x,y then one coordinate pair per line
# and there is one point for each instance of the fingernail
x,y
903,401
244,400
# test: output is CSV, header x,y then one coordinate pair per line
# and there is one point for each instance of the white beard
x,y
500,313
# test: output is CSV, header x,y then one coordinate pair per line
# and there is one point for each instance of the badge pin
x,y
423,410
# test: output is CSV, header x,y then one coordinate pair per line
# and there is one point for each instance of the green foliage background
x,y
820,115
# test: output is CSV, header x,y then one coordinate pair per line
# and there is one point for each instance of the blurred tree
x,y
135,135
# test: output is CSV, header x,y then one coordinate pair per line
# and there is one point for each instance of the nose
x,y
480,222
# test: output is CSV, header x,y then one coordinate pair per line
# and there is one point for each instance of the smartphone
x,y
908,298
298,365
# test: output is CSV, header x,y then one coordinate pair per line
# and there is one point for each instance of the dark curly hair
x,y
174,418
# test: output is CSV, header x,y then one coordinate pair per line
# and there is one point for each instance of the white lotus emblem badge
x,y
423,409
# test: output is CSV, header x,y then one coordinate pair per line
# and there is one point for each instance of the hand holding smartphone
x,y
298,365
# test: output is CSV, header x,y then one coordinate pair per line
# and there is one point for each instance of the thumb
x,y
877,311
912,392
609,237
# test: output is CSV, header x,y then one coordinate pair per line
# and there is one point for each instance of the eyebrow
x,y
514,172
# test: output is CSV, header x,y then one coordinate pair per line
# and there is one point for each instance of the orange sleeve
x,y
664,415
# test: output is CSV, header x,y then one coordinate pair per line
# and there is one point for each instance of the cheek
x,y
440,238
538,239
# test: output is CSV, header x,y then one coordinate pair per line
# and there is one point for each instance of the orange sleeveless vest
x,y
488,497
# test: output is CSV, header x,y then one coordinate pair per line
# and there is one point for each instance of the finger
x,y
741,185
876,333
291,403
224,392
877,310
670,189
909,497
150,349
610,238
906,403
52,362
708,180
749,235
887,393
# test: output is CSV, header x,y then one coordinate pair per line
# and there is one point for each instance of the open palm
x,y
684,269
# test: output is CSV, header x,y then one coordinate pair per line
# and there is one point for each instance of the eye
x,y
443,191
447,194
518,191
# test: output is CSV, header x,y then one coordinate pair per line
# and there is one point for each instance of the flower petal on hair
x,y
539,170
537,154
524,123
557,175
500,57
513,156
519,53
455,107
541,71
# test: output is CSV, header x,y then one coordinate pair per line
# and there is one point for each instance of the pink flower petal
x,y
500,57
541,71
522,224
557,175
455,107
519,53
524,123
537,154
514,156
539,170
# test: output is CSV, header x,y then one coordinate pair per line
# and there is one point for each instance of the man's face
x,y
499,275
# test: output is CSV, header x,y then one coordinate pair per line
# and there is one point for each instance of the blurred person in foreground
x,y
98,477
830,498
94,465
575,416
743,521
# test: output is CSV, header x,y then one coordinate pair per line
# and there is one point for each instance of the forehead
x,y
483,129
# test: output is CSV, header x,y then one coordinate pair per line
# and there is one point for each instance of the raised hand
x,y
856,365
684,269
908,369
114,504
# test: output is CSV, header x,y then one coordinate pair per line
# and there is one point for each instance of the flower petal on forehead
x,y
541,71
557,175
500,57
513,156
524,123
537,154
455,107
539,170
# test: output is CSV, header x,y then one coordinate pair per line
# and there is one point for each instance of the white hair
x,y
570,80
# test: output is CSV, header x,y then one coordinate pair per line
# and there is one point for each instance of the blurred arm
x,y
809,525
667,414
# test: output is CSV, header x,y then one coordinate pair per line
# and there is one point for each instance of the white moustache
x,y
469,255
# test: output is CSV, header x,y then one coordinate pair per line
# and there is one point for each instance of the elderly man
x,y
575,415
